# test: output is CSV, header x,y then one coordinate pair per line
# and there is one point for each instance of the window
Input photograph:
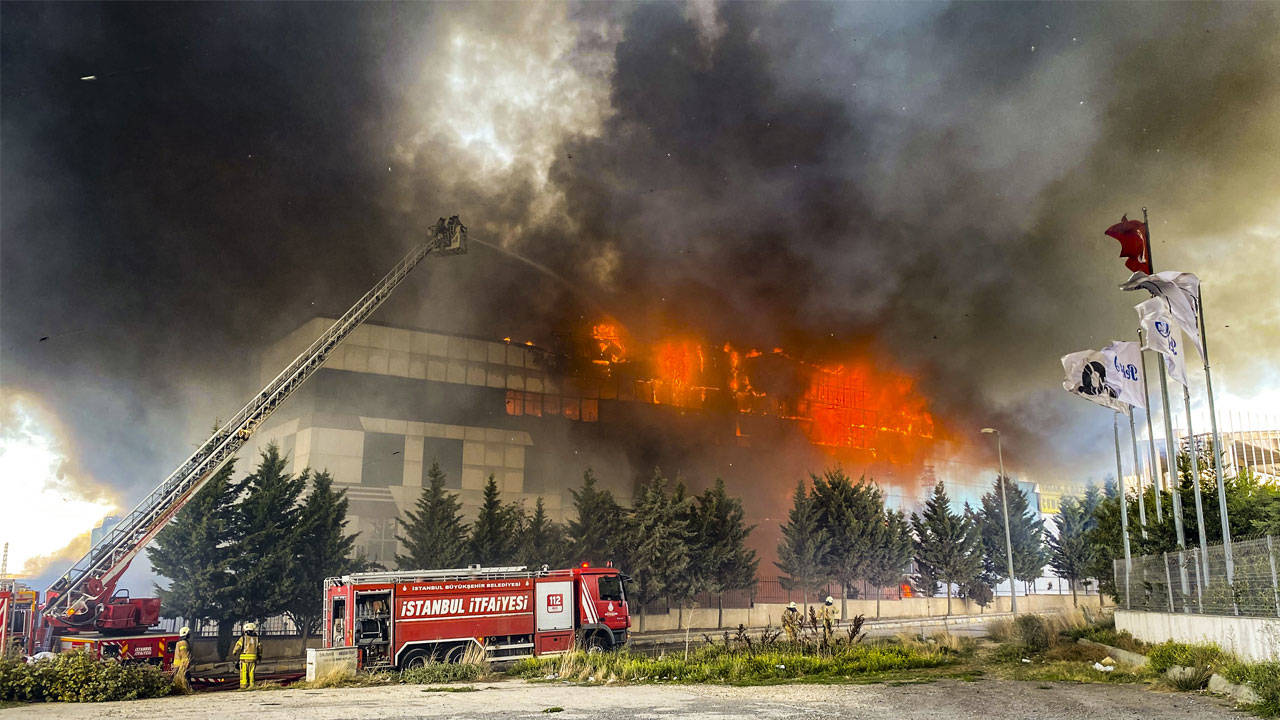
x,y
610,588
447,452
383,461
381,546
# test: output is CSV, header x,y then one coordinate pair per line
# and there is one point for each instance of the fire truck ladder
x,y
82,591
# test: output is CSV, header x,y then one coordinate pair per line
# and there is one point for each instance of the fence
x,y
1189,581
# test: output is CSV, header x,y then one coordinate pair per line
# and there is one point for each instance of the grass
x,y
429,674
742,666
454,688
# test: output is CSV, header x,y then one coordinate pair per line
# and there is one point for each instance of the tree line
x,y
839,529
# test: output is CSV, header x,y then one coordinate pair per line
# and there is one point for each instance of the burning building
x,y
391,401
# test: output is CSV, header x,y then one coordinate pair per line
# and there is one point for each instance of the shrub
x,y
432,673
1168,654
1033,632
77,677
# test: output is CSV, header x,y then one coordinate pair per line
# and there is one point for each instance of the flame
x,y
608,339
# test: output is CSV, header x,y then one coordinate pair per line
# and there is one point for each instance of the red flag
x,y
1132,235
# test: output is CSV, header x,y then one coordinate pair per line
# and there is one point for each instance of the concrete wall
x,y
1248,638
765,614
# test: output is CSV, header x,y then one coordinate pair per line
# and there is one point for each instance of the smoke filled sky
x,y
183,184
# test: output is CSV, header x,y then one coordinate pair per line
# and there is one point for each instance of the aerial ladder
x,y
85,598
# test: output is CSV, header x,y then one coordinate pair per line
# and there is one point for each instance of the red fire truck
x,y
404,619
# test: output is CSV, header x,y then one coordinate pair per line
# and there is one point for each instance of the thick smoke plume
x,y
926,184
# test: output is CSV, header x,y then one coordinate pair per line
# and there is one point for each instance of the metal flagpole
x,y
1217,447
1151,442
1195,483
1124,509
1137,473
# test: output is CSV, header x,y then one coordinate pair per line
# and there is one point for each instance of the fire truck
x,y
404,619
82,609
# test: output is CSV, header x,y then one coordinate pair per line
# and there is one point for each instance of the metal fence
x,y
1190,581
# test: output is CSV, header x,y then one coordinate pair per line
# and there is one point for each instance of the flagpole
x,y
1217,446
1170,450
1151,441
1195,483
1137,473
1124,509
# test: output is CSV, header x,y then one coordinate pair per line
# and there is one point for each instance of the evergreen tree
x,y
946,543
719,551
658,540
193,552
1069,549
599,524
696,577
434,536
265,537
322,550
496,532
543,542
853,516
892,556
1026,534
803,551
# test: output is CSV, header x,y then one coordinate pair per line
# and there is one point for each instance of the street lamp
x,y
1004,502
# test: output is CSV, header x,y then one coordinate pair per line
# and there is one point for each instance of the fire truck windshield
x,y
610,588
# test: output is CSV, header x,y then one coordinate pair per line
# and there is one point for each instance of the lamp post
x,y
1008,540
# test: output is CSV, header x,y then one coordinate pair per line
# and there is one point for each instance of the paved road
x,y
950,699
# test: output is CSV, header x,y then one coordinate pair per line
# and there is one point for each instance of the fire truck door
x,y
555,606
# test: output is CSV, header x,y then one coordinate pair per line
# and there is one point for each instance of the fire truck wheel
x,y
453,655
596,643
415,659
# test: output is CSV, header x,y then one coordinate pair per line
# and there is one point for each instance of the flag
x,y
1132,235
1160,333
1086,373
1182,292
1124,372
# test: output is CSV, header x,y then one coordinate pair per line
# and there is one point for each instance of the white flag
x,y
1182,292
1124,372
1085,376
1160,333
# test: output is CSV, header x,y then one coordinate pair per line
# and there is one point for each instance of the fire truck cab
x,y
404,619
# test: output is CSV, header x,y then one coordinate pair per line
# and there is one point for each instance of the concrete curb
x,y
1241,693
1121,655
933,622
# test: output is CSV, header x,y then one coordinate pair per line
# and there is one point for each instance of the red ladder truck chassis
x,y
404,619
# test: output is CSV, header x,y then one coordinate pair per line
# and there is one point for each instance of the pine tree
x,y
542,542
946,543
434,536
598,527
891,558
322,550
658,540
719,550
193,552
265,537
805,543
853,516
1026,534
1069,549
496,531
696,576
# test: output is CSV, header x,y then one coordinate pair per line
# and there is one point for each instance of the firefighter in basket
x,y
182,661
791,621
246,652
827,615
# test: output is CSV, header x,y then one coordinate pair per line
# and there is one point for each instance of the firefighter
x,y
791,621
182,661
827,614
246,650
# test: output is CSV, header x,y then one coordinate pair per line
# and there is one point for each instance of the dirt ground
x,y
518,699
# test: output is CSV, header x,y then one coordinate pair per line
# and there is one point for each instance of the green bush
x,y
77,677
432,673
1168,654
1033,632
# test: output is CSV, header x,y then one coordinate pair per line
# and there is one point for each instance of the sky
x,y
182,184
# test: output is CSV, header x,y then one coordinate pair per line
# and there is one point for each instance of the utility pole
x,y
1008,539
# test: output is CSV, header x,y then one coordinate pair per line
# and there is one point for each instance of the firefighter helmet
x,y
184,632
830,600
791,605
250,627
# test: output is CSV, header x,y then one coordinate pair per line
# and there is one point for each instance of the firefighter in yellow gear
x,y
791,621
827,614
246,650
182,661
